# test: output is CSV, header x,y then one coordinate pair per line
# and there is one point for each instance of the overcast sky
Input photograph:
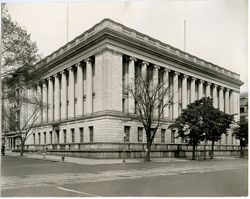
x,y
216,30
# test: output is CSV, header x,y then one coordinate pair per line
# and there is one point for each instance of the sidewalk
x,y
88,161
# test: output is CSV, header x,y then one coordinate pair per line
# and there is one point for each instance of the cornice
x,y
108,27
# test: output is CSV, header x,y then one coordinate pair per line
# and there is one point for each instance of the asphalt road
x,y
29,177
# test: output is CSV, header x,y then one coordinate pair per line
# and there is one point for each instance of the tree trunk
x,y
212,152
147,158
21,150
193,153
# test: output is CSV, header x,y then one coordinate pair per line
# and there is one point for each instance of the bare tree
x,y
21,114
151,99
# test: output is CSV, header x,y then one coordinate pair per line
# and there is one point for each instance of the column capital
x,y
70,68
50,78
156,67
215,86
88,60
176,73
56,75
185,76
201,81
144,63
167,70
208,83
78,65
227,89
221,87
62,72
193,78
132,59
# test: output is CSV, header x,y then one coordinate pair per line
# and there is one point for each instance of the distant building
x,y
89,108
244,104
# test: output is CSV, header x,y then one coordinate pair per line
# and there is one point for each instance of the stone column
x,y
200,89
175,95
167,88
45,101
39,95
221,101
231,101
208,91
144,65
71,93
184,91
215,100
50,100
155,83
192,88
79,94
131,80
63,96
89,91
227,100
57,98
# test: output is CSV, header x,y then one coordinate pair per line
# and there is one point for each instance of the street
x,y
23,176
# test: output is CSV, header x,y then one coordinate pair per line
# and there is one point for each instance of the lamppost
x,y
124,147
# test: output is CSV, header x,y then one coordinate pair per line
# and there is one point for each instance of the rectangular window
x,y
50,133
163,135
173,136
34,138
44,137
72,135
64,135
140,134
39,138
81,134
127,133
57,136
91,134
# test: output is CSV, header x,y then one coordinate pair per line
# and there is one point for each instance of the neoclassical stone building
x,y
88,108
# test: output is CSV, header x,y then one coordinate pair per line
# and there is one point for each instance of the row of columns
x,y
64,101
228,102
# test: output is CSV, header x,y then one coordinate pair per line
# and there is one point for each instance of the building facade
x,y
88,108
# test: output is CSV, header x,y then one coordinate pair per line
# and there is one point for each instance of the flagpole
x,y
185,35
67,21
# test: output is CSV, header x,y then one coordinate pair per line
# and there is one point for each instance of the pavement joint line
x,y
74,191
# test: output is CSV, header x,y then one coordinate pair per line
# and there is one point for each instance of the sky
x,y
216,30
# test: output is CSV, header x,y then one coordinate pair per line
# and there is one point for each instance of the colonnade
x,y
64,93
184,89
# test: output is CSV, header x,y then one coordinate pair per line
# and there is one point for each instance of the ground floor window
x,y
44,137
72,135
34,138
163,135
64,135
39,138
140,134
91,134
81,134
173,136
127,133
51,139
